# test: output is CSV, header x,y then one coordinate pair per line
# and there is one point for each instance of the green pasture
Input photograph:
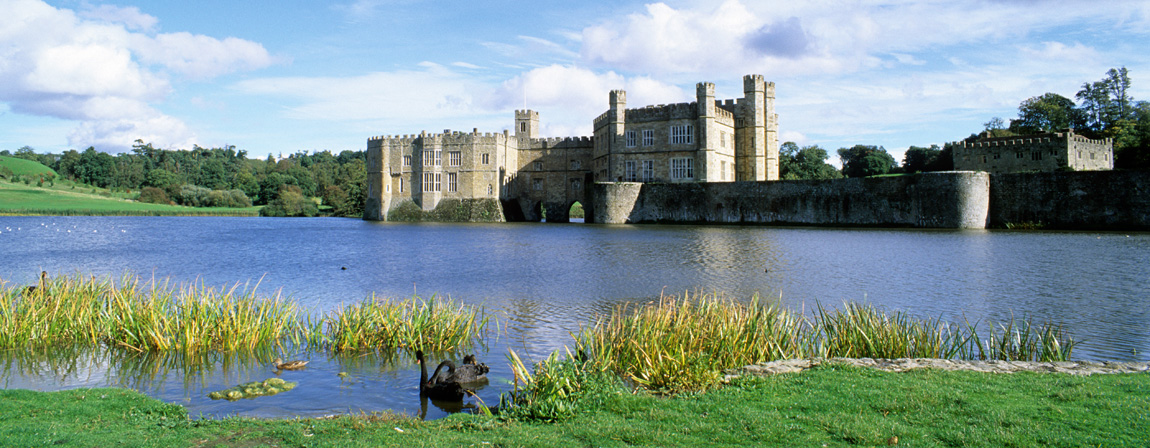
x,y
63,198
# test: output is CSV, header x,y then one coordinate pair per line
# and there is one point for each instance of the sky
x,y
311,76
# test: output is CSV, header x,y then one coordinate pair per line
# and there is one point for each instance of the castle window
x,y
682,135
1018,155
438,157
630,171
984,159
537,166
576,184
537,184
454,158
723,139
1036,155
648,137
523,126
575,164
431,182
683,168
723,169
452,182
1091,156
997,156
631,139
490,189
648,173
486,158
401,185
1079,154
406,160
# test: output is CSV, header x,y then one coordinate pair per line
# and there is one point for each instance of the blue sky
x,y
305,76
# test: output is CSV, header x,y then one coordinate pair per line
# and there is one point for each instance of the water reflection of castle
x,y
702,141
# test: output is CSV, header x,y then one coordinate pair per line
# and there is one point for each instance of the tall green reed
x,y
433,325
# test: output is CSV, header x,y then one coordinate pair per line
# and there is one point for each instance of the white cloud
x,y
130,17
198,56
571,97
93,68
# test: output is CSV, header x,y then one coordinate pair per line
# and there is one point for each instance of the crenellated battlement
x,y
559,142
663,112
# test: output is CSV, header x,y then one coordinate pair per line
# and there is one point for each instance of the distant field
x,y
20,199
21,167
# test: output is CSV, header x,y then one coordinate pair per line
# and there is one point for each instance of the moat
x,y
543,280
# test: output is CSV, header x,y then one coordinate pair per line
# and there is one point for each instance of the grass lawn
x,y
62,199
21,167
826,406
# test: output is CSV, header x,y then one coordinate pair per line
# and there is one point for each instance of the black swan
x,y
41,286
471,371
442,385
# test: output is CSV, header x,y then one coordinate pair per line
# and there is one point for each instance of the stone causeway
x,y
904,364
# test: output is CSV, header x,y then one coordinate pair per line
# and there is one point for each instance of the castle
x,y
1050,151
707,140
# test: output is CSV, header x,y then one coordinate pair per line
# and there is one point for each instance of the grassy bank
x,y
829,406
65,198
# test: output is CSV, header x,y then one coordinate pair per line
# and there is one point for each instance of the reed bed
x,y
434,325
79,310
195,318
683,344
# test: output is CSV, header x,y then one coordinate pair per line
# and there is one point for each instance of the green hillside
x,y
21,167
16,198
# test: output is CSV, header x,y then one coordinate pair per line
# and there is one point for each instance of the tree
x,y
1047,113
805,163
866,160
918,158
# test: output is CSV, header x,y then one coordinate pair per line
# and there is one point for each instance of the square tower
x,y
526,124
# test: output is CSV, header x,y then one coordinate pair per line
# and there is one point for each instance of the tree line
x,y
220,177
1104,109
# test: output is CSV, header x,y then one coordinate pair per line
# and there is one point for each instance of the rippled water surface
x,y
544,280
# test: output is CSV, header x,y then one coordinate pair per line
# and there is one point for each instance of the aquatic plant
x,y
675,345
863,331
682,344
75,309
268,387
554,389
432,325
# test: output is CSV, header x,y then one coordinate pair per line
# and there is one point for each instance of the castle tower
x,y
707,133
750,153
378,181
616,127
772,152
526,124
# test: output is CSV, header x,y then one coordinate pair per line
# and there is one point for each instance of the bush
x,y
197,196
153,195
290,202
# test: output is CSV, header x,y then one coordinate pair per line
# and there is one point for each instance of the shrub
x,y
153,195
290,202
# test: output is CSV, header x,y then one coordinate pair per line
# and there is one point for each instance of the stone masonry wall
x,y
938,200
1072,200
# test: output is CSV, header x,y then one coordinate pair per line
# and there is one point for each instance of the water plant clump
x,y
87,310
434,325
683,344
69,310
254,389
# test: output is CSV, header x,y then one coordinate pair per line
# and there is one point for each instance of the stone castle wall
x,y
1072,200
932,200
